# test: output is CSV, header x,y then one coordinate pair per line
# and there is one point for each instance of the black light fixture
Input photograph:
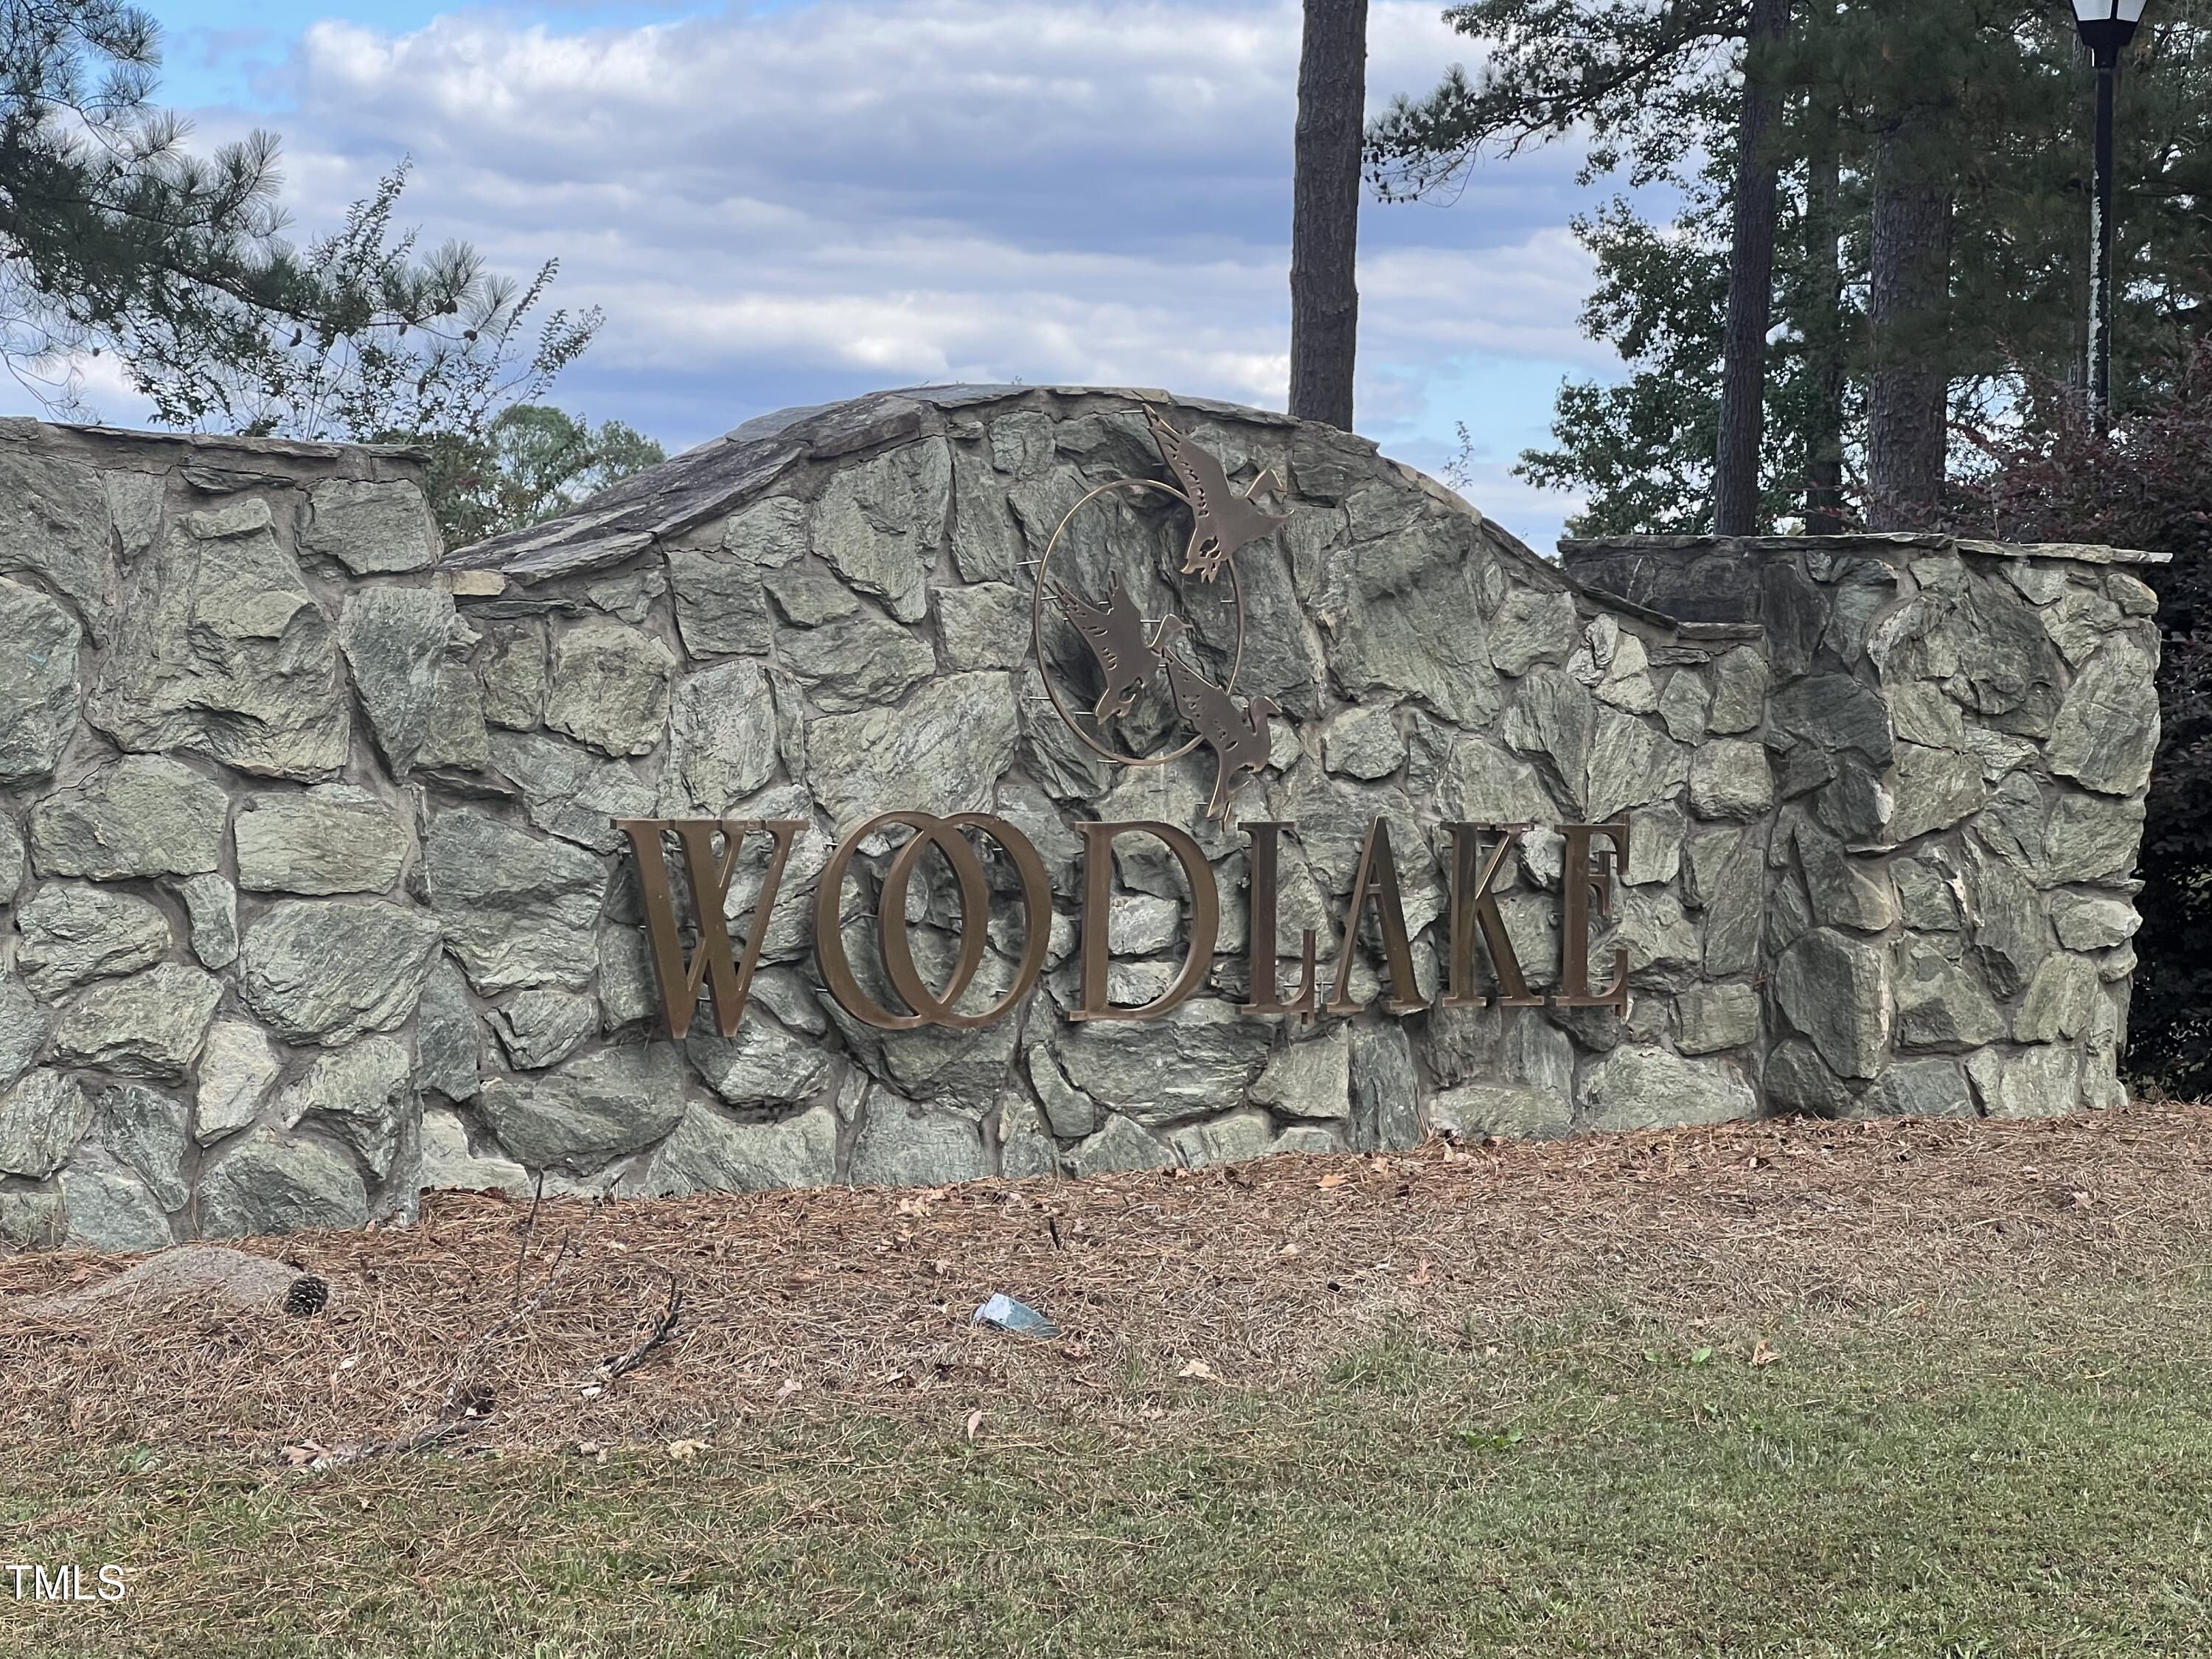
x,y
2106,25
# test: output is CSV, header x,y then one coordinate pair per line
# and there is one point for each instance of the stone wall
x,y
1963,733
314,896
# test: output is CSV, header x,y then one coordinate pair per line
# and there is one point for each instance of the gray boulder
x,y
859,663
211,908
24,1028
409,651
939,753
1310,1078
448,1045
1835,989
2090,838
1922,1088
902,1144
763,1065
542,1028
1118,1147
145,1130
1639,1087
369,526
41,1119
581,1116
145,815
517,910
149,1025
1941,1005
222,651
364,1095
881,523
1196,1059
329,970
109,1209
1473,1111
711,1152
1385,1089
237,1068
610,687
2107,727
1716,1016
272,1182
722,740
73,932
2063,1001
986,626
511,672
572,793
38,691
1233,1138
333,838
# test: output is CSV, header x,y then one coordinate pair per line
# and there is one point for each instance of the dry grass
x,y
795,1302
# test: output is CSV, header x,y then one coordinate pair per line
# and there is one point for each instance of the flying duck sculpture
x,y
1115,634
1238,737
1222,521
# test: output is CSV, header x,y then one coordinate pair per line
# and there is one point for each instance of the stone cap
x,y
1878,542
217,463
717,476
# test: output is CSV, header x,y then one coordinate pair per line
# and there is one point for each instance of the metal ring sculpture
x,y
1037,625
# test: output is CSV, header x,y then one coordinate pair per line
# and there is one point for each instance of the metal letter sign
x,y
1130,662
933,1008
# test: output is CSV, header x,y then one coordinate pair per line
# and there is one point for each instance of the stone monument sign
x,y
336,867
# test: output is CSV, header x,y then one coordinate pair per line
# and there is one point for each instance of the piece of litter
x,y
1003,1313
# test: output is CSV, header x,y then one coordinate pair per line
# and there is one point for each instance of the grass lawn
x,y
2004,1469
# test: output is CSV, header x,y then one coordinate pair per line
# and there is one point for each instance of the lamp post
x,y
2106,25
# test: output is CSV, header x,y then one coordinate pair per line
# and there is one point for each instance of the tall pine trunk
x,y
1325,210
1750,281
1824,331
1907,318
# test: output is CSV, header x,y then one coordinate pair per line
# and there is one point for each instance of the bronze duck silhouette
x,y
1238,737
1115,634
1224,521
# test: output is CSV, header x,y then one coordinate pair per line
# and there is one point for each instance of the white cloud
x,y
800,203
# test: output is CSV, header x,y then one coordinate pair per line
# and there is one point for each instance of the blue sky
x,y
790,202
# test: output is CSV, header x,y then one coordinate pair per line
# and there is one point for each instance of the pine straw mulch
x,y
487,1324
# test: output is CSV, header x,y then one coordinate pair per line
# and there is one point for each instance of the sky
x,y
791,201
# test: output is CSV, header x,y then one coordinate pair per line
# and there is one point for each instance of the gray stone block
x,y
333,838
328,970
145,815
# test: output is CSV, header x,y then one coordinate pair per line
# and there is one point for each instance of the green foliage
x,y
1646,84
114,237
530,464
1999,106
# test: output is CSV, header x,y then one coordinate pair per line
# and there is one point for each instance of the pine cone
x,y
307,1295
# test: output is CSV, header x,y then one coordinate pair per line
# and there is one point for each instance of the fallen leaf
x,y
1287,1251
684,1450
300,1455
1421,1275
1763,1355
1199,1368
1330,1182
791,1385
974,1422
